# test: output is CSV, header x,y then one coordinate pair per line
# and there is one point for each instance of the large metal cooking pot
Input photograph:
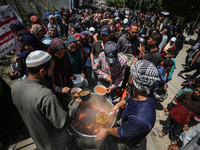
x,y
84,123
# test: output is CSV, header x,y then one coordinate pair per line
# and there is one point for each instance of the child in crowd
x,y
188,85
184,113
171,55
164,70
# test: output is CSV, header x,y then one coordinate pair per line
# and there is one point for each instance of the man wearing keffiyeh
x,y
139,115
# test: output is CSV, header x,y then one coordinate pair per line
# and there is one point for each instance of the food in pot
x,y
101,118
100,90
75,93
83,93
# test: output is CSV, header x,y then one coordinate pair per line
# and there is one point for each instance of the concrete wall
x,y
37,6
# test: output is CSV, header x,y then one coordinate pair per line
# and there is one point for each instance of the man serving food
x,y
139,115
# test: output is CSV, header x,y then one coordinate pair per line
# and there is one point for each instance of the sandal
x,y
173,142
161,134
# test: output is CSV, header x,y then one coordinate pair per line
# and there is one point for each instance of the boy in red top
x,y
184,113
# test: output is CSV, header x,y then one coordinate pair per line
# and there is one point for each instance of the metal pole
x,y
195,22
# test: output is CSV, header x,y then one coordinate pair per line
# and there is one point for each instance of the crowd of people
x,y
95,43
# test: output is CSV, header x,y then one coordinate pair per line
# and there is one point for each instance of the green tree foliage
x,y
145,5
109,3
182,8
118,3
95,2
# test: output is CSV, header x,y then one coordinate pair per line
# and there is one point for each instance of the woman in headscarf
x,y
63,73
35,20
74,55
169,45
15,27
88,63
53,32
78,37
51,20
38,31
30,41
63,70
60,24
75,29
65,22
30,44
72,22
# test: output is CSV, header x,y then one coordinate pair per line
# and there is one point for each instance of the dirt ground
x,y
5,67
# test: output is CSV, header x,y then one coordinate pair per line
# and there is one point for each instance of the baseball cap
x,y
173,39
125,21
48,14
117,18
92,29
110,51
105,30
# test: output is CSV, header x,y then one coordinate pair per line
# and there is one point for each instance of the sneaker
x,y
179,74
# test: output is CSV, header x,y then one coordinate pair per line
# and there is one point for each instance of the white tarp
x,y
7,14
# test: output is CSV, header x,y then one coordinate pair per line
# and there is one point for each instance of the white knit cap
x,y
37,58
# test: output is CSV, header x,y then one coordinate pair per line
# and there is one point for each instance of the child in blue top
x,y
171,54
164,70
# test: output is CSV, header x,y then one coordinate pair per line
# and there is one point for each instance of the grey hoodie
x,y
128,46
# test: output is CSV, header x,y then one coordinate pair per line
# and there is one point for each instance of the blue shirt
x,y
172,70
138,119
163,78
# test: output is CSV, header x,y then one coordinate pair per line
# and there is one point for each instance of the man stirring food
x,y
139,115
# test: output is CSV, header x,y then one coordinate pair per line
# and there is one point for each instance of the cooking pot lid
x,y
79,79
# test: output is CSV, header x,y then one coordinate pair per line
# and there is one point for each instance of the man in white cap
x,y
90,36
139,115
39,107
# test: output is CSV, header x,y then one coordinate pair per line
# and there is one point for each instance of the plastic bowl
x,y
87,96
79,80
101,86
103,113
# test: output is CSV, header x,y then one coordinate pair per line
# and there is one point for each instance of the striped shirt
x,y
115,71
